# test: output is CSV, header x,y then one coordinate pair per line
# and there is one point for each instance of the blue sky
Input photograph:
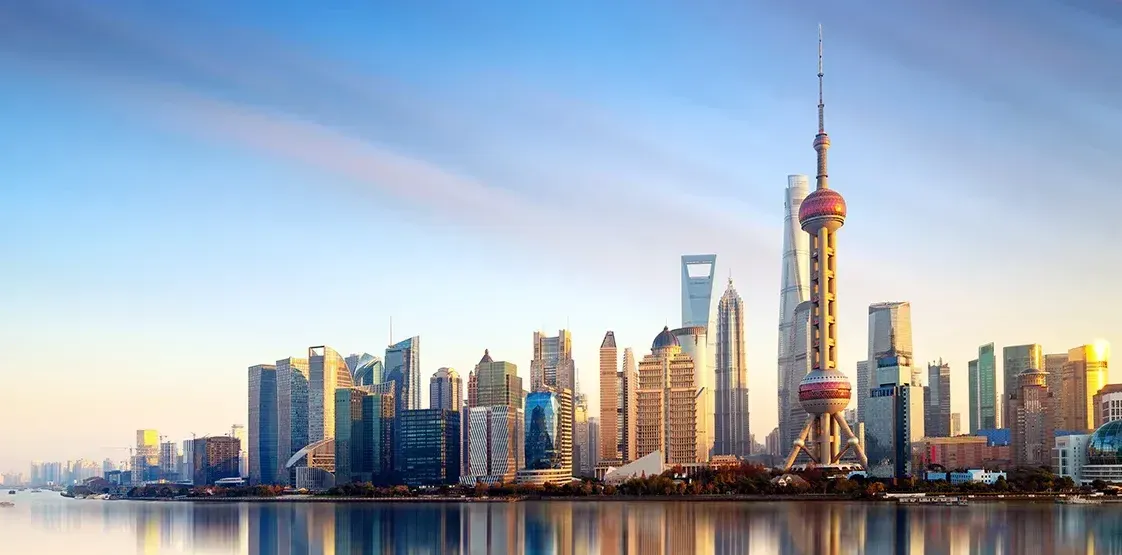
x,y
188,189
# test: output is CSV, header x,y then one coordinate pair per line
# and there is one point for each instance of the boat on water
x,y
6,504
1073,500
11,492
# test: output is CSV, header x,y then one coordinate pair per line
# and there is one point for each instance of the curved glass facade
x,y
1105,445
543,449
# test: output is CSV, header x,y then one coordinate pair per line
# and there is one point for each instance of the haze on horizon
x,y
189,189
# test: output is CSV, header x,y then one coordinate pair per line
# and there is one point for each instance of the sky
x,y
191,188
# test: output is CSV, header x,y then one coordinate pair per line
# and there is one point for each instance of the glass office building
x,y
428,447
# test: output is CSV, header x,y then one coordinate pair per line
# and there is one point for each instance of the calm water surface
x,y
45,523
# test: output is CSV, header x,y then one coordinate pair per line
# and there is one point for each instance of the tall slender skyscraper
x,y
825,391
327,371
609,398
987,387
731,420
263,413
403,367
938,399
975,401
794,289
629,386
292,412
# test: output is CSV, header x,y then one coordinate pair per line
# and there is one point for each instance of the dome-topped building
x,y
1105,445
664,340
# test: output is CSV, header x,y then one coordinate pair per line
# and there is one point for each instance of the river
x,y
45,523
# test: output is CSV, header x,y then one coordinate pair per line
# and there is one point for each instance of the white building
x,y
1070,455
648,465
972,475
494,444
794,289
1086,458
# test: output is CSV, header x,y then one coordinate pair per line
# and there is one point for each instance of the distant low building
x,y
962,452
973,475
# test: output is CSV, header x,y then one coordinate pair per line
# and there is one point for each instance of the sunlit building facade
x,y
495,444
292,412
1031,421
794,289
628,405
609,399
1108,404
327,371
1084,374
403,367
1015,360
666,409
446,390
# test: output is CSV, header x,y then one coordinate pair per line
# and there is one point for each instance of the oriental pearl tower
x,y
824,393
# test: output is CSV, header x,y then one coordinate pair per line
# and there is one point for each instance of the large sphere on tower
x,y
822,208
824,392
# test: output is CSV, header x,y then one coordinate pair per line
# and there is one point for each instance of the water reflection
x,y
579,528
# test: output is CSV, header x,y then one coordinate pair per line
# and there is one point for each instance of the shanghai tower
x,y
795,289
825,391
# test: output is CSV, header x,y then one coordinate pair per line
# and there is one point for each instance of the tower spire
x,y
821,140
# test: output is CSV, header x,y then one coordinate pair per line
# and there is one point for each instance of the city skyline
x,y
211,289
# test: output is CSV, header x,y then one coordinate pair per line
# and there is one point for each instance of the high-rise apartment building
x,y
263,425
169,460
403,367
583,457
794,289
956,424
987,387
327,371
552,365
937,400
800,365
1015,360
628,415
731,422
863,387
666,411
548,447
292,412
1030,413
215,458
973,392
446,390
609,399
1084,374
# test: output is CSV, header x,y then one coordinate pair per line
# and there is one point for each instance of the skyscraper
x,y
327,371
1030,423
263,431
629,387
1054,366
146,456
731,424
1084,375
403,366
694,341
1015,360
549,437
495,440
446,390
794,289
973,392
987,387
697,288
802,354
863,387
368,370
896,407
667,403
824,393
937,398
552,365
497,383
292,412
609,398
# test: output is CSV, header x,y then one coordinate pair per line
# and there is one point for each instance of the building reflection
x,y
608,527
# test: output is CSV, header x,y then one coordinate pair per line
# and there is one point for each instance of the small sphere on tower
x,y
822,208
